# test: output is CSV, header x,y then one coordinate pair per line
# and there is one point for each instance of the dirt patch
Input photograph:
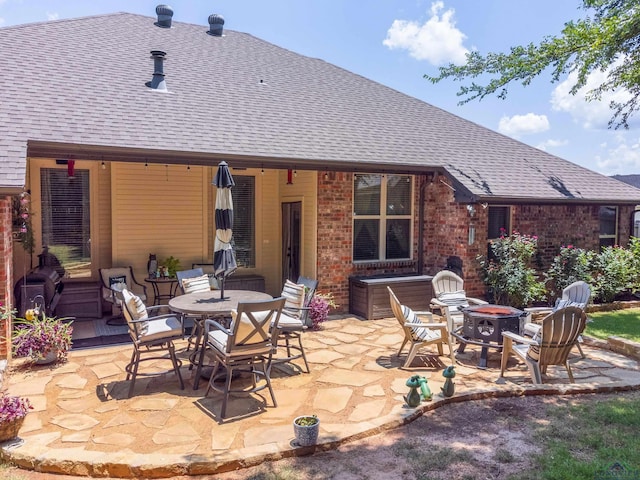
x,y
486,439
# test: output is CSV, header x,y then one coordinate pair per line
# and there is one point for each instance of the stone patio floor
x,y
84,424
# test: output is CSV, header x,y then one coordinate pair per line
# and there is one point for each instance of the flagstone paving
x,y
84,424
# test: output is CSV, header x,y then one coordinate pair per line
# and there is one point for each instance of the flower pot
x,y
306,435
50,357
9,430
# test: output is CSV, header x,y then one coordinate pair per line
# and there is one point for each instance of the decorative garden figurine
x,y
425,391
413,397
449,387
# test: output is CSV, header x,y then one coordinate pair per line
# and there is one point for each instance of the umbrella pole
x,y
222,288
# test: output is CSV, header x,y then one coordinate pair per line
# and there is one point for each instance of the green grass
x,y
584,442
620,323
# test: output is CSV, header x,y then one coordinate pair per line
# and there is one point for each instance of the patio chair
x,y
558,334
150,334
578,295
189,281
246,346
295,318
417,332
449,298
114,280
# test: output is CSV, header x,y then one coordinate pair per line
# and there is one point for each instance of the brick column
x,y
6,272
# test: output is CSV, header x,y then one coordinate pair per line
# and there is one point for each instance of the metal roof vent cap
x,y
157,81
165,13
216,23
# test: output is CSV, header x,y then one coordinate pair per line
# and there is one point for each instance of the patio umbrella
x,y
224,258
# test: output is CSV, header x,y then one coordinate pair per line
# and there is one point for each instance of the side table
x,y
156,282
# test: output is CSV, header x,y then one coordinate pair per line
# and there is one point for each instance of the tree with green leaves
x,y
606,40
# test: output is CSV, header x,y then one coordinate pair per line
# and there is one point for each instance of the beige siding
x,y
101,211
157,209
268,256
304,188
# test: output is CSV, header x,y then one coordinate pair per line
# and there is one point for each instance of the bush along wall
x,y
513,277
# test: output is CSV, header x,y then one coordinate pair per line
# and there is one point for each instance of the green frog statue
x,y
449,387
413,397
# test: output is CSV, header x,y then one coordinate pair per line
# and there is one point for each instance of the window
x,y
608,226
382,217
66,219
244,194
499,222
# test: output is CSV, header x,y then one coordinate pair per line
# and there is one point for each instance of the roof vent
x,y
157,82
216,23
164,12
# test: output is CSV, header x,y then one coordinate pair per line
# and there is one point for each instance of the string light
x,y
295,172
326,175
262,171
103,166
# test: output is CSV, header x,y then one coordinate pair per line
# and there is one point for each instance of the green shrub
x,y
570,265
509,274
612,271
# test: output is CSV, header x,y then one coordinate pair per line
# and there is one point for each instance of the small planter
x,y
9,430
50,357
306,428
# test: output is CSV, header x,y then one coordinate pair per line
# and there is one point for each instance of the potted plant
x,y
319,307
44,339
172,265
13,410
305,429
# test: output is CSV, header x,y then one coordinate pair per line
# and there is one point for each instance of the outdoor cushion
x,y
294,298
196,284
166,327
454,299
136,308
419,333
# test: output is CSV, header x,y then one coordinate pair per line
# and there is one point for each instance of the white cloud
x,y
437,40
52,16
551,144
590,114
519,125
622,157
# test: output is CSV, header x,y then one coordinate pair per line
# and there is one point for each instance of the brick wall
x,y
6,273
335,227
445,233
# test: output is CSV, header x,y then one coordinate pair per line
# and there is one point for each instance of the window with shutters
x,y
244,225
66,219
382,217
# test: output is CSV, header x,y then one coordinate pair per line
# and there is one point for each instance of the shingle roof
x,y
82,82
633,179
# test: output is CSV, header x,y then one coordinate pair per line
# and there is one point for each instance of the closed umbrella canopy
x,y
224,258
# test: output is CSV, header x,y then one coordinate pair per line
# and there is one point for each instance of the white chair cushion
x,y
454,299
196,284
162,328
136,308
420,333
293,294
290,323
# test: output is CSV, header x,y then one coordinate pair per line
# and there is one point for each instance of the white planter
x,y
306,435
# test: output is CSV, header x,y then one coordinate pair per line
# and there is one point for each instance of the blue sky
x,y
396,42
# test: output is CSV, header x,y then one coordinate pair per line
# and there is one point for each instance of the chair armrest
x,y
438,303
426,325
476,301
154,308
214,325
520,339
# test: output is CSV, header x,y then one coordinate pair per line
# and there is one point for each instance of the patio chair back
x,y
115,279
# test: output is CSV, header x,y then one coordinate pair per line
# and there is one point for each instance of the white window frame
x,y
383,218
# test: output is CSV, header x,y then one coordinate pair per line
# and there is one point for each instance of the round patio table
x,y
210,305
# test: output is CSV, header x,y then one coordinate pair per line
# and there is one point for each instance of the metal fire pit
x,y
483,325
